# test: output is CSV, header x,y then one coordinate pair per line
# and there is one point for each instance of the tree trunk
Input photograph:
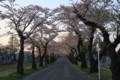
x,y
115,64
20,68
83,61
40,57
33,58
76,56
41,61
81,55
46,60
93,62
72,58
45,52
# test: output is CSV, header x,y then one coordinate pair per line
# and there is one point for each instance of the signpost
x,y
98,40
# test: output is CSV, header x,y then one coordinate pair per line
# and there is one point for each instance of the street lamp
x,y
98,40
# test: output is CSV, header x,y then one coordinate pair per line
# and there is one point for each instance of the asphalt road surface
x,y
61,70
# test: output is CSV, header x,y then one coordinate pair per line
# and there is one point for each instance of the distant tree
x,y
47,35
41,40
70,42
69,19
33,58
13,43
31,41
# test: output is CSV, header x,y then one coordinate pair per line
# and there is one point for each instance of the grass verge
x,y
5,70
105,73
15,76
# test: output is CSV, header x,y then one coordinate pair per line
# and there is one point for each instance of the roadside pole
x,y
98,50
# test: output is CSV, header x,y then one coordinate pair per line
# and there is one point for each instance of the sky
x,y
43,3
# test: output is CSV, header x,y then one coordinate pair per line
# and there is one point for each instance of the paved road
x,y
61,70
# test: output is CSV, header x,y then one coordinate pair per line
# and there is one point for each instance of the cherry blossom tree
x,y
47,36
69,19
108,46
23,21
42,37
93,14
69,43
32,42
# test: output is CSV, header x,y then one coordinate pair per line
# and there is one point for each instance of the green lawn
x,y
5,70
8,72
105,73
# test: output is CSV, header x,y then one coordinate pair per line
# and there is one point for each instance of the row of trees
x,y
38,26
84,18
33,25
